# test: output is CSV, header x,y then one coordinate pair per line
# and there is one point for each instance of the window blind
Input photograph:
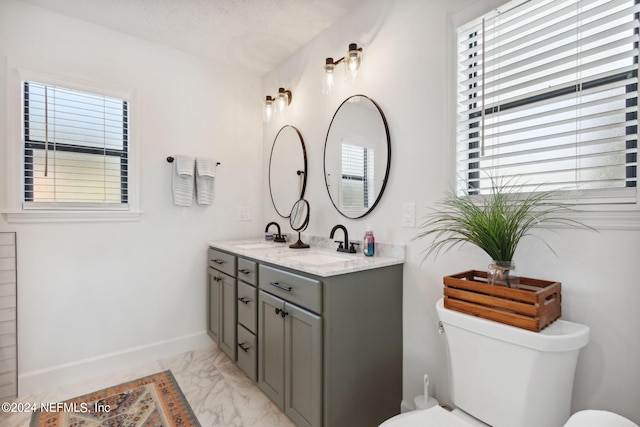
x,y
547,96
75,149
357,178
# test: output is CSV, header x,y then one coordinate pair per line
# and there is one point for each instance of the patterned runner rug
x,y
153,401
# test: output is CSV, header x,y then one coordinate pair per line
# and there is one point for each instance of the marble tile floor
x,y
219,393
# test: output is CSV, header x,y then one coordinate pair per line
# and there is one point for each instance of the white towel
x,y
182,180
205,180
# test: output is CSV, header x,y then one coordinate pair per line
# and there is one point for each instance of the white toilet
x,y
504,376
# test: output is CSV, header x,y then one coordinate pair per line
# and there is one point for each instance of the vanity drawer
x,y
222,261
247,271
300,290
247,354
247,307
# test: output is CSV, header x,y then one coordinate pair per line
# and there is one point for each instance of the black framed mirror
x,y
287,169
357,156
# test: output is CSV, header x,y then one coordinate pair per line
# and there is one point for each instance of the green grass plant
x,y
496,222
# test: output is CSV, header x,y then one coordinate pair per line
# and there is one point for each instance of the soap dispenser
x,y
369,246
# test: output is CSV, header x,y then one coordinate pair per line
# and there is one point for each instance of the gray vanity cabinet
x,y
326,349
222,301
359,318
290,359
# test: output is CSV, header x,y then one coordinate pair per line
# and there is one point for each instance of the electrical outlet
x,y
409,215
244,213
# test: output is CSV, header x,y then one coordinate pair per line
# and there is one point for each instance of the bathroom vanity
x,y
318,331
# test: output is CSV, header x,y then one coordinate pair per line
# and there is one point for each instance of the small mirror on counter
x,y
357,155
299,220
287,169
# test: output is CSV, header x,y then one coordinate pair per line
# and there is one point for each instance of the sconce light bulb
x,y
268,109
329,72
283,99
353,60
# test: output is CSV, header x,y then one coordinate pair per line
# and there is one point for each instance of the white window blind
x,y
357,178
75,149
547,95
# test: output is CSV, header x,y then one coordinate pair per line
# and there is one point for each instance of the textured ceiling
x,y
254,34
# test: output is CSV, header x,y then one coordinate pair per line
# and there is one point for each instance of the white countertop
x,y
317,260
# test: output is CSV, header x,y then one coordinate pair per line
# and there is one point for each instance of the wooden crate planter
x,y
533,306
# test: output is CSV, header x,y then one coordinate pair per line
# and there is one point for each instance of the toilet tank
x,y
506,376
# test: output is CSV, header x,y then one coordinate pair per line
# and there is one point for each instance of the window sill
x,y
601,218
611,218
51,216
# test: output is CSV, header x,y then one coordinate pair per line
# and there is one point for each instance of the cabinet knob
x,y
282,313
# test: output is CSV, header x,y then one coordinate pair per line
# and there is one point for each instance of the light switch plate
x,y
244,213
409,215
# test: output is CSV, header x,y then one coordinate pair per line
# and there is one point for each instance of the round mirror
x,y
299,220
357,155
287,169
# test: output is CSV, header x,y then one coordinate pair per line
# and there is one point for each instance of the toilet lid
x,y
436,417
593,418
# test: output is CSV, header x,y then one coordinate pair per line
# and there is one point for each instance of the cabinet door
x,y
271,347
228,319
213,305
303,366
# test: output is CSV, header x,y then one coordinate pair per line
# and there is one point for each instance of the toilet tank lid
x,y
559,336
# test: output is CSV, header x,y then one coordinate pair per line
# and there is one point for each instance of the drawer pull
x,y
218,261
282,313
217,279
244,300
279,286
243,347
245,271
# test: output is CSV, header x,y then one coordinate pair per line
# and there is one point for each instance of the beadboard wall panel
x,y
8,325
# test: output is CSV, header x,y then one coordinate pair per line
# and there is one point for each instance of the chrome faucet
x,y
341,247
277,237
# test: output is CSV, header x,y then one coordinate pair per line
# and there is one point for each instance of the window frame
x,y
364,152
604,200
31,145
13,204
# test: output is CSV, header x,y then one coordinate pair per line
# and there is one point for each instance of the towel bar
x,y
170,159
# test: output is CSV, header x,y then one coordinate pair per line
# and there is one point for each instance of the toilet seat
x,y
594,418
440,417
436,417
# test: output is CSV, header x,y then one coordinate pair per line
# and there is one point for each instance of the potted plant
x,y
496,223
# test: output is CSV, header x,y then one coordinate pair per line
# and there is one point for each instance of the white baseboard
x,y
69,373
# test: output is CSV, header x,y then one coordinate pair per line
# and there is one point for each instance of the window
x,y
75,149
548,95
357,177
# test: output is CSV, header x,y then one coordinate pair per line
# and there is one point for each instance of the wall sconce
x,y
352,62
276,105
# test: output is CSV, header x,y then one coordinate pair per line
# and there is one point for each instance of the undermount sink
x,y
250,246
315,258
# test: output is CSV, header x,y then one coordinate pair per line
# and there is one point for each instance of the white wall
x,y
93,296
408,69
